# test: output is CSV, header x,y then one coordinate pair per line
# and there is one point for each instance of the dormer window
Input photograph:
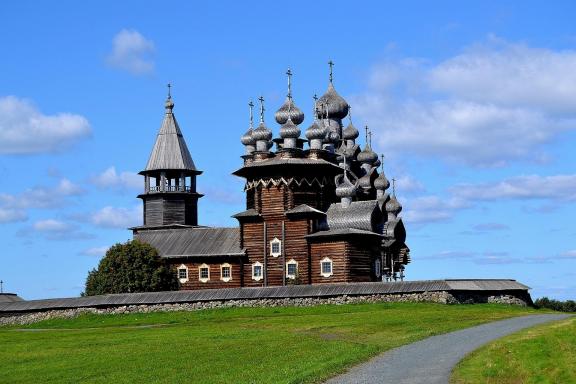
x,y
183,274
275,247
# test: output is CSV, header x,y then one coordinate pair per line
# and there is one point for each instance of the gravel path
x,y
431,360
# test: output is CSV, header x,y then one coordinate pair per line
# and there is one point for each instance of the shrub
x,y
130,267
556,305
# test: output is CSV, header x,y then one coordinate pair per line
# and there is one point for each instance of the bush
x,y
130,267
560,306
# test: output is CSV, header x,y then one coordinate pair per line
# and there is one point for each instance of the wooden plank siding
x,y
214,267
361,257
336,251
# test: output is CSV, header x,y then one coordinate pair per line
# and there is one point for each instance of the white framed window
x,y
378,268
204,273
326,267
257,271
275,247
292,269
182,274
226,272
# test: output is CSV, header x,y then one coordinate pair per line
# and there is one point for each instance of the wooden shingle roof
x,y
170,151
193,242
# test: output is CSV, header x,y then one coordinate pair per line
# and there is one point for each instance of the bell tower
x,y
170,196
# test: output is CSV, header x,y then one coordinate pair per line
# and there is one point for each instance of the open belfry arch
x,y
317,208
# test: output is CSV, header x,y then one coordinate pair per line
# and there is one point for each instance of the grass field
x,y
541,355
242,345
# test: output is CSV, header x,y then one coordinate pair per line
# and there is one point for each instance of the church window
x,y
204,273
183,273
275,248
292,269
326,267
257,271
226,272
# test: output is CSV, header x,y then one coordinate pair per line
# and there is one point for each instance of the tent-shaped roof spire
x,y
170,151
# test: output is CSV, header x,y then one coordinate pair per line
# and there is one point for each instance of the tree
x,y
130,267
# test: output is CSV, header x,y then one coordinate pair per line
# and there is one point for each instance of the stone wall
x,y
442,297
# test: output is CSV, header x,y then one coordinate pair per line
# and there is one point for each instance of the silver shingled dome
x,y
289,110
336,106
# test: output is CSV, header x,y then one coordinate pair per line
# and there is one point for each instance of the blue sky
x,y
473,105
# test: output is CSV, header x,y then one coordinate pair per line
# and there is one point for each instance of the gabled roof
x,y
170,150
304,210
193,242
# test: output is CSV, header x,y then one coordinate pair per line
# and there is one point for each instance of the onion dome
x,y
364,182
381,182
248,137
289,130
315,131
335,106
393,206
346,189
289,111
262,133
367,155
350,132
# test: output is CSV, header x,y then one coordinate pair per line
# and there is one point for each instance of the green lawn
x,y
540,355
241,345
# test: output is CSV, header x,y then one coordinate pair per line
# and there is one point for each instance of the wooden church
x,y
317,210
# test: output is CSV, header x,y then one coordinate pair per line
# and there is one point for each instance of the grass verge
x,y
239,345
540,355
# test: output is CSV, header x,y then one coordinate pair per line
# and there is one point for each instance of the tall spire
x,y
370,138
394,186
382,162
366,134
261,99
331,64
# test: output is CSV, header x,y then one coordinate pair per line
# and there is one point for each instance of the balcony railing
x,y
169,188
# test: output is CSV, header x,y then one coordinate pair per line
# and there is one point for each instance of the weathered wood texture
x,y
335,251
361,257
170,208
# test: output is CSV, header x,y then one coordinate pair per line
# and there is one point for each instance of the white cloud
x,y
25,130
132,52
95,251
427,209
490,105
53,229
10,215
461,131
408,184
511,74
109,178
51,225
41,197
568,254
557,187
113,217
